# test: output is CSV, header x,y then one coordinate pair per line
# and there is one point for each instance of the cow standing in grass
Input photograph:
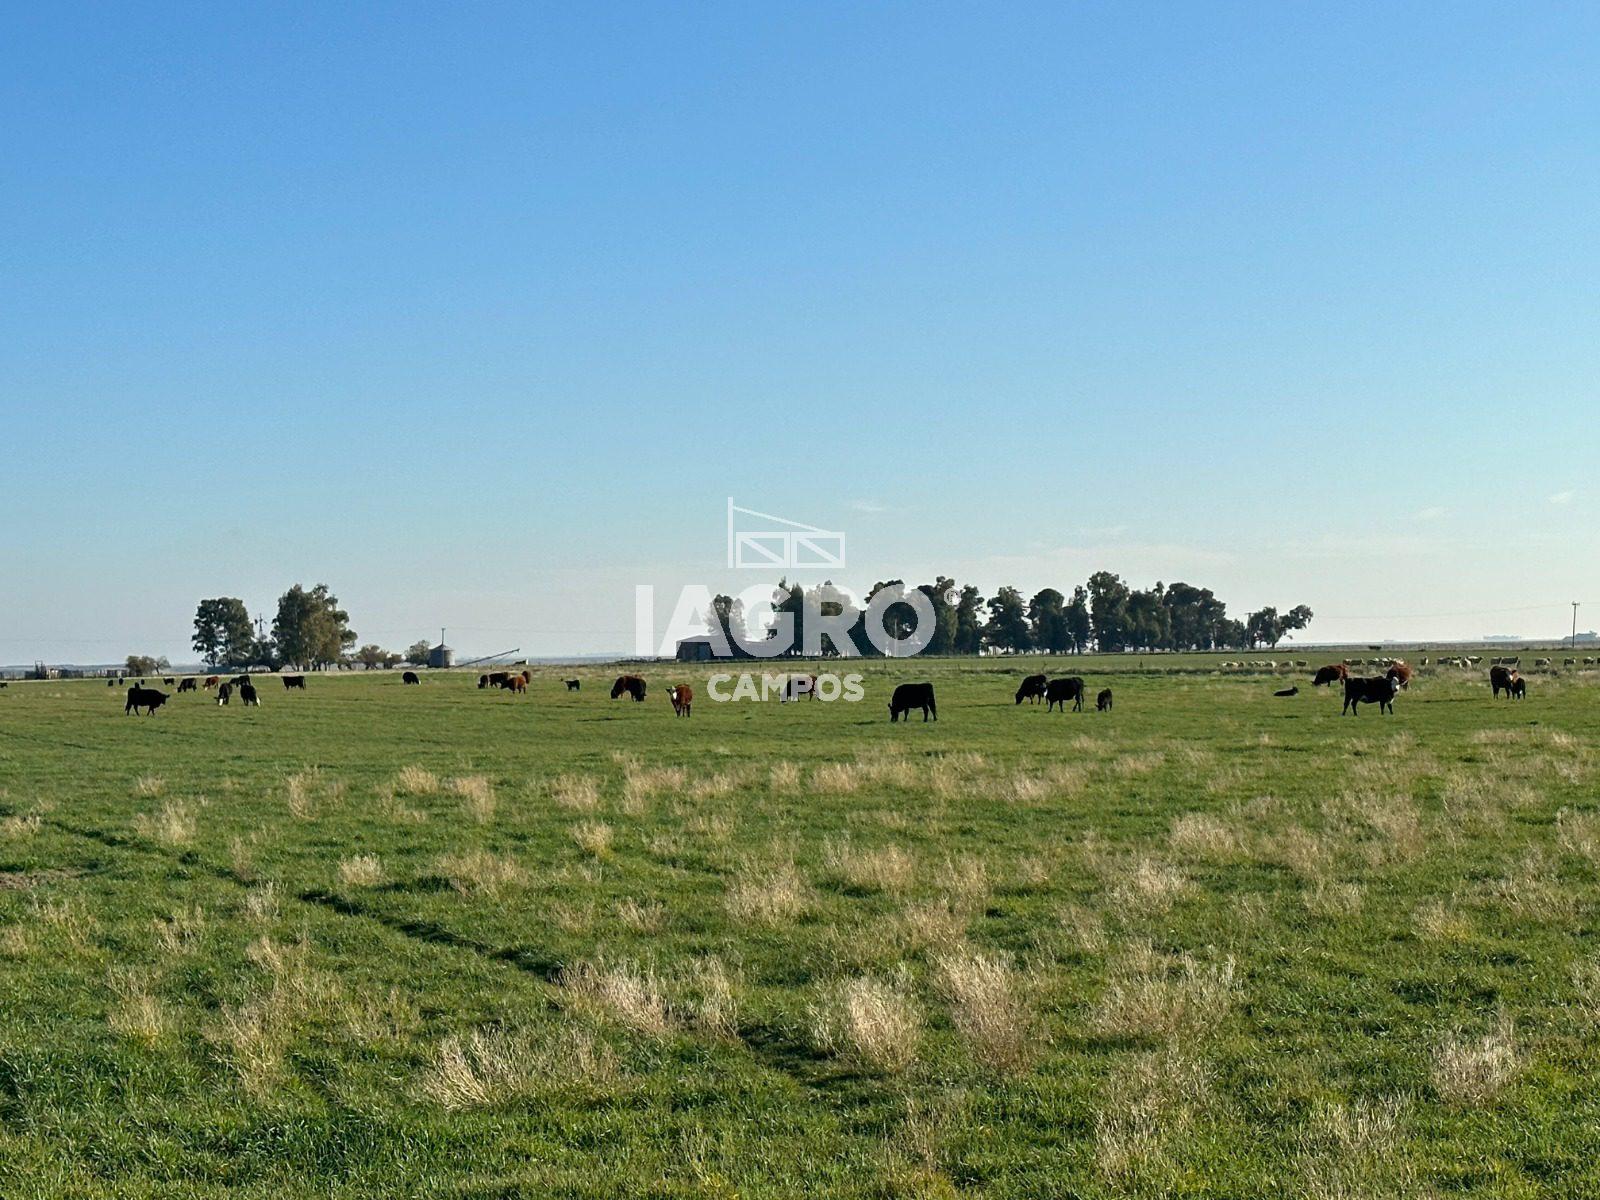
x,y
1031,689
913,695
1380,690
682,698
630,685
1058,691
146,698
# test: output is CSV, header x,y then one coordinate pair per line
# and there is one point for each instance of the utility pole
x,y
1574,624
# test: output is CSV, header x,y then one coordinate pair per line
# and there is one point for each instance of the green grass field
x,y
385,941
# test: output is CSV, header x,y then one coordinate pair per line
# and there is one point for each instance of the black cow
x,y
294,681
630,685
1500,680
1288,691
224,693
240,681
1519,688
1380,690
247,693
139,697
572,684
111,683
410,677
1032,689
169,682
1059,691
913,695
187,685
1102,702
497,679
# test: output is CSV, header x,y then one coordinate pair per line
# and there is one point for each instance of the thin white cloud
x,y
1565,497
867,506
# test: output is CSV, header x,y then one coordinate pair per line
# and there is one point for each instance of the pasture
x,y
375,940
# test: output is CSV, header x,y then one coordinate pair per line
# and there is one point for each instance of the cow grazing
x,y
1059,691
1288,691
682,698
1102,702
1500,680
1031,688
410,677
247,693
211,682
1332,673
1400,673
517,685
1519,688
146,698
796,686
630,685
572,684
111,683
913,695
169,682
240,680
1380,690
224,693
290,682
186,685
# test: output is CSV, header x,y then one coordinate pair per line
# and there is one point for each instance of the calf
x,y
682,698
169,682
1519,688
186,685
291,682
572,684
146,698
224,693
247,693
409,677
1288,691
1380,690
1102,702
913,695
1032,688
1059,691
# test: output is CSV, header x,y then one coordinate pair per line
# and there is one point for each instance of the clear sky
x,y
479,313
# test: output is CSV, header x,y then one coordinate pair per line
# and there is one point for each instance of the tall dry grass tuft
x,y
577,793
875,1021
1199,835
1353,1150
18,827
887,869
1150,1105
481,872
261,903
361,870
1436,921
172,825
641,784
416,781
785,778
477,796
594,838
835,779
711,997
1153,996
1532,888
308,789
148,787
1151,886
1470,1071
492,1067
773,895
182,931
136,1012
627,993
989,1009
930,924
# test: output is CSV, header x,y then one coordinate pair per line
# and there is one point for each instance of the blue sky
x,y
479,315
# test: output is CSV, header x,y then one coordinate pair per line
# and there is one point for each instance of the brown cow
x,y
211,682
1333,673
682,698
517,685
1400,673
631,685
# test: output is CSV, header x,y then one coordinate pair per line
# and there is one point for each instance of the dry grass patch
x,y
476,794
1353,1150
642,917
173,825
628,994
642,784
989,1009
577,793
711,997
773,895
1470,1071
1439,922
15,828
492,1067
887,869
1154,996
784,778
1150,1106
148,787
416,781
182,931
136,1013
1532,889
594,838
481,872
1202,836
361,870
261,903
875,1021
929,924
1151,886
308,789
836,779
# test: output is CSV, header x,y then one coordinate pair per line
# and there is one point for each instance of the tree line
x,y
1103,614
309,632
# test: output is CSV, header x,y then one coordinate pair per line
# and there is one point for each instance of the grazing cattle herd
x,y
1505,679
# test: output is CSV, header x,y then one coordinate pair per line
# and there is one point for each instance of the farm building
x,y
441,656
696,649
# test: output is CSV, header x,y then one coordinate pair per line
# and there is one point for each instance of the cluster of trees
x,y
310,632
144,664
1103,614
